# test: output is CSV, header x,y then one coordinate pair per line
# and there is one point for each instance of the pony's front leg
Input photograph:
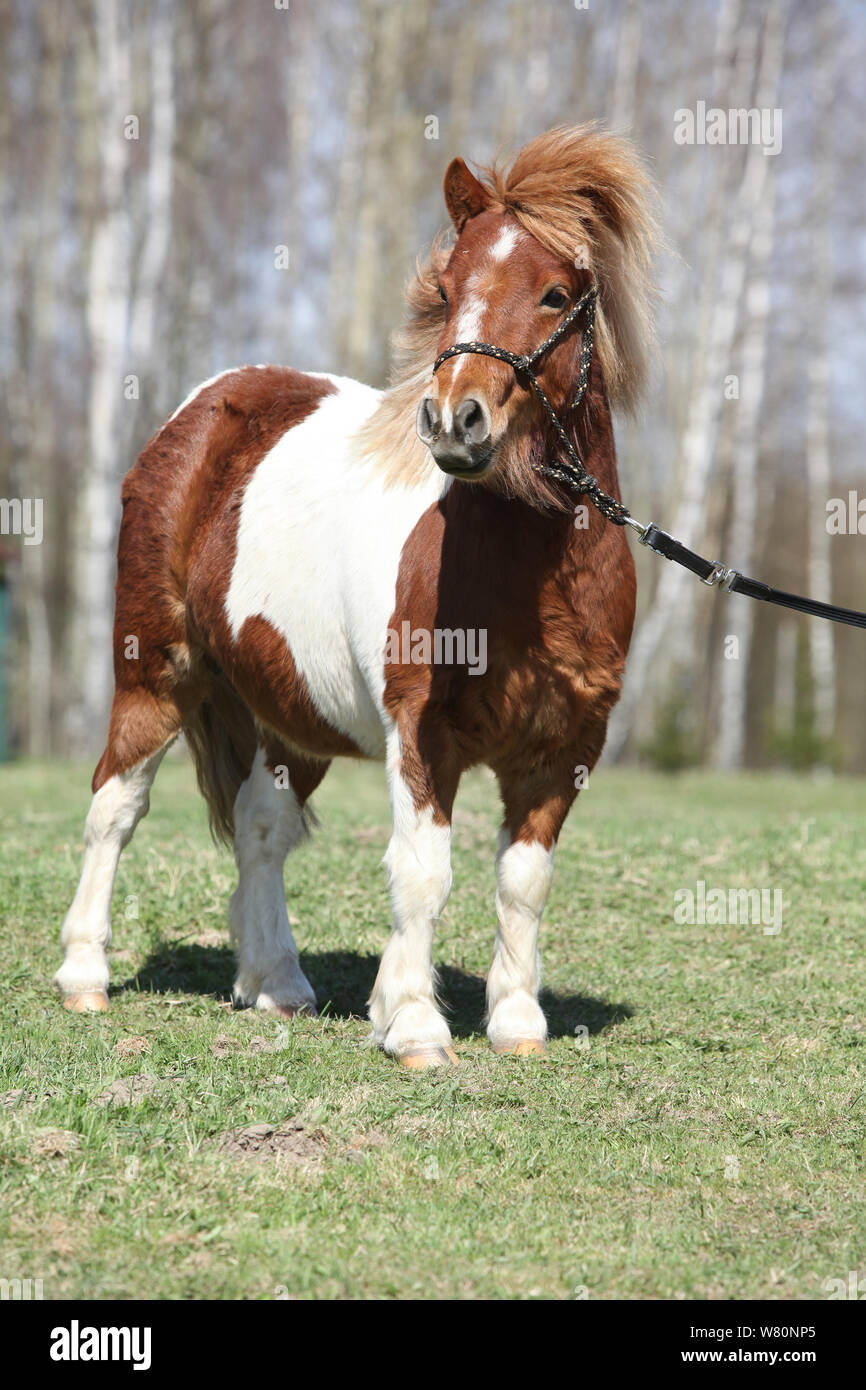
x,y
524,872
406,1021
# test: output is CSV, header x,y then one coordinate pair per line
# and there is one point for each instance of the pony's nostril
x,y
428,421
471,423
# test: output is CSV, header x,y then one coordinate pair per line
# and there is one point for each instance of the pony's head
x,y
574,209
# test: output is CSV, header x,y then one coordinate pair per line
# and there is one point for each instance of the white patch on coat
x,y
318,550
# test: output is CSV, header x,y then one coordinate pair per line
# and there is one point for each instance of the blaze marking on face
x,y
470,320
505,243
467,328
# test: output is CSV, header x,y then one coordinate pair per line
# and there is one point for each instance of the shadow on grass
x,y
343,981
180,968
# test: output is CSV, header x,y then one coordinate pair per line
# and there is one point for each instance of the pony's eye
x,y
555,299
442,295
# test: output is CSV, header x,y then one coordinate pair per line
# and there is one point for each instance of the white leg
x,y
406,1021
268,823
515,1019
114,813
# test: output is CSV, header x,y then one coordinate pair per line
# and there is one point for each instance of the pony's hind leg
x,y
269,821
140,731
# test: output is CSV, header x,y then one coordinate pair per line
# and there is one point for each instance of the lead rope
x,y
572,473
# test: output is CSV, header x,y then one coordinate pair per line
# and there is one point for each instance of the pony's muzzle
x,y
464,445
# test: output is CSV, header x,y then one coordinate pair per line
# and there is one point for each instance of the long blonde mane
x,y
585,196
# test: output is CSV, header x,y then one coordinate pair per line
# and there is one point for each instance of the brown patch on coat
x,y
557,603
181,503
262,669
305,773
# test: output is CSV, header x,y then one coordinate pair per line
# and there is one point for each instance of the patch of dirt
x,y
421,1127
55,1143
259,1044
357,1099
224,1045
291,1142
362,1142
126,1090
369,1139
62,1237
131,1047
795,1044
13,1099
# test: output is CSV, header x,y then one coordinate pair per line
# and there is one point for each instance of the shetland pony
x,y
304,563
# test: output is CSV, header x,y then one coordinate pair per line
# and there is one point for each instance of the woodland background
x,y
188,187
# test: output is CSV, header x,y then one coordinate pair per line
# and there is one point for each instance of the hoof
x,y
527,1047
95,1001
420,1058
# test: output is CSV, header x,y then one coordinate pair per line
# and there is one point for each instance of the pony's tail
x,y
221,734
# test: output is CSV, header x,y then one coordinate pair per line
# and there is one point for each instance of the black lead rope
x,y
571,472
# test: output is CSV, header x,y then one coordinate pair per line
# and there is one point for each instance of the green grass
x,y
707,1142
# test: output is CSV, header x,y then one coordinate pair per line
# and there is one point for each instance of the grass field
x,y
697,1129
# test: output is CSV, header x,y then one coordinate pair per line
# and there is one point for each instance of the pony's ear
x,y
465,197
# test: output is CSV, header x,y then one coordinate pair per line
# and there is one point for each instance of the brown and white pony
x,y
293,549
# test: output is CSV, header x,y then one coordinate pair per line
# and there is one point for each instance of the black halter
x,y
572,473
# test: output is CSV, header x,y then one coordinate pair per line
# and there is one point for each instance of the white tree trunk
x,y
348,185
821,635
154,253
107,318
389,27
32,423
625,77
740,551
672,601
